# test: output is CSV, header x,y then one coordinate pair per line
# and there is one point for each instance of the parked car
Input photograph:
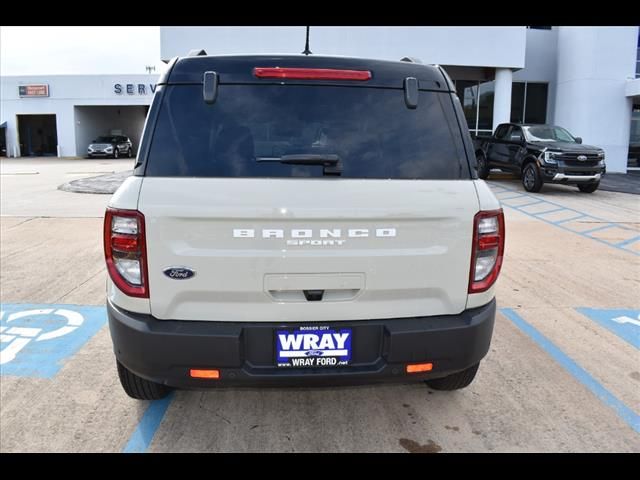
x,y
111,146
541,154
297,220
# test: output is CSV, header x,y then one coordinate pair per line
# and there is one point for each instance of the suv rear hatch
x,y
306,200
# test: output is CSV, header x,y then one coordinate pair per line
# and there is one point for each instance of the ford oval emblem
x,y
179,273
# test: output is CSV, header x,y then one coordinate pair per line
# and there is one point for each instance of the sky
x,y
79,50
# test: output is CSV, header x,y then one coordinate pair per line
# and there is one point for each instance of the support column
x,y
594,66
502,97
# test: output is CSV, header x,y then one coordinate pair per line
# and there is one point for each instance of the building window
x,y
485,107
468,94
517,102
638,58
529,102
477,103
634,139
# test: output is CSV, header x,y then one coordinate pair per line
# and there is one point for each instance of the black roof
x,y
239,69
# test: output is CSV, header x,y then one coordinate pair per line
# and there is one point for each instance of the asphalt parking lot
x,y
562,375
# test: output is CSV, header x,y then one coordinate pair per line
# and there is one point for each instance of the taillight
x,y
311,73
125,251
487,250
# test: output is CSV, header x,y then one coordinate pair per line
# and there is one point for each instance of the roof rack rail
x,y
411,60
196,52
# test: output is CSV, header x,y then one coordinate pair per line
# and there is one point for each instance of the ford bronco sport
x,y
301,220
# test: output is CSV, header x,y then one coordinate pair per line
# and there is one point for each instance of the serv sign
x,y
39,90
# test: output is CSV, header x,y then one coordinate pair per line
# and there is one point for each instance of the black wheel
x,y
531,178
588,187
483,167
129,153
116,153
454,381
139,388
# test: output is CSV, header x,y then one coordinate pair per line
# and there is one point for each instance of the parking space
x,y
563,372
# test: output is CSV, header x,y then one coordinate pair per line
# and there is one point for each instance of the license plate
x,y
313,346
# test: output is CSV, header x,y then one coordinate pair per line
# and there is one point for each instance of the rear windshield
x,y
250,128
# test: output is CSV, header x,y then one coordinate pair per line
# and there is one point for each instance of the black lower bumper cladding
x,y
164,351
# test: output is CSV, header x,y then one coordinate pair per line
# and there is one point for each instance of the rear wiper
x,y
331,162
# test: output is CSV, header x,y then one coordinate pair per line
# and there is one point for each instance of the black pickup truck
x,y
539,154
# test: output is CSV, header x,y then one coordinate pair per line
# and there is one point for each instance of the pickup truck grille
x,y
574,156
571,159
577,163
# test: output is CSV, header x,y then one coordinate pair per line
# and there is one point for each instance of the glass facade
x,y
477,102
528,103
468,94
485,108
634,139
638,58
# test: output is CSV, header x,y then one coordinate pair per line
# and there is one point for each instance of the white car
x,y
115,146
299,220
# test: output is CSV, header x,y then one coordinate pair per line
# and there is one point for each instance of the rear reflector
x,y
419,367
311,73
210,374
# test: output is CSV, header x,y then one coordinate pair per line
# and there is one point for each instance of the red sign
x,y
34,90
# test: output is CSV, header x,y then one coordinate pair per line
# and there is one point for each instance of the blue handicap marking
x,y
624,323
35,340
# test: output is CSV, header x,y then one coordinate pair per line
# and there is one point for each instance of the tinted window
x,y
536,108
501,131
250,127
485,110
515,135
546,133
517,102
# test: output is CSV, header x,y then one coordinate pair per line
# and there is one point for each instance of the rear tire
x,y
483,167
139,388
531,177
588,187
455,381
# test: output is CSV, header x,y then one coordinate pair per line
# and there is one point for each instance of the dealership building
x,y
586,79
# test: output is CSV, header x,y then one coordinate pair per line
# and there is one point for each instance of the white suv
x,y
298,220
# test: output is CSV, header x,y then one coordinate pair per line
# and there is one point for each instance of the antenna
x,y
150,68
306,45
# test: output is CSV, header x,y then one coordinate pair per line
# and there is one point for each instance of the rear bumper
x,y
163,351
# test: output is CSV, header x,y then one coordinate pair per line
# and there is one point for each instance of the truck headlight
x,y
550,157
